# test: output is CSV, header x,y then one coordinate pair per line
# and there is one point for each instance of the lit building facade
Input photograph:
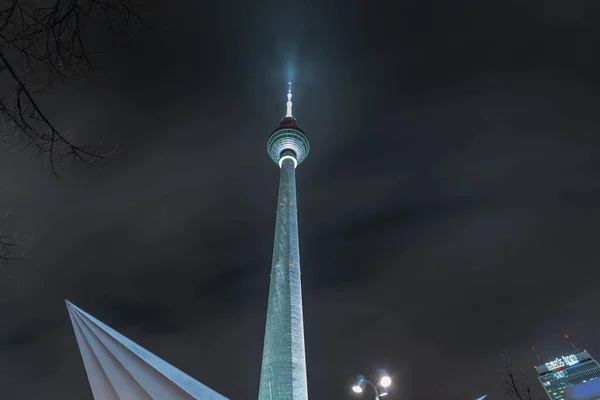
x,y
558,375
283,371
589,390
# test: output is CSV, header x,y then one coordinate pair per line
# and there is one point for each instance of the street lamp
x,y
360,384
383,381
384,378
382,390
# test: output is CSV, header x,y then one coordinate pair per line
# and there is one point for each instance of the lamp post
x,y
380,388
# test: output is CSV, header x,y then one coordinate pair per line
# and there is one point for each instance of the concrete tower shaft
x,y
283,371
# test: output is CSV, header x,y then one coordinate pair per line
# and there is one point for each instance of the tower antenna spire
x,y
289,102
537,353
571,343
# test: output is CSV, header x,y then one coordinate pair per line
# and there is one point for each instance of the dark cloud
x,y
448,209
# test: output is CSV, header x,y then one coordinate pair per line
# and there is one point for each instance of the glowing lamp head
x,y
359,384
382,390
384,378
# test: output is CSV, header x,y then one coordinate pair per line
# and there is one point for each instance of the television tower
x,y
283,371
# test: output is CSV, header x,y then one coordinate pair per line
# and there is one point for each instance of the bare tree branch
x,y
11,246
43,43
515,389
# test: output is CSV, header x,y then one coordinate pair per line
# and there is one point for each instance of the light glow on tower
x,y
288,158
289,102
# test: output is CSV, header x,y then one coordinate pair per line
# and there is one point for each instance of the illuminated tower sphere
x,y
283,372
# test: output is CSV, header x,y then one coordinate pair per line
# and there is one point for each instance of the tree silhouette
x,y
516,387
43,44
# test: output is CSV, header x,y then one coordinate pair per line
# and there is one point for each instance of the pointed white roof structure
x,y
119,369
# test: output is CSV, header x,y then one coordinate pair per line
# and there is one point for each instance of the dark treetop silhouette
x,y
43,43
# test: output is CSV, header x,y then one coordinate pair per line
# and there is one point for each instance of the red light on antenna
x,y
535,366
532,347
566,336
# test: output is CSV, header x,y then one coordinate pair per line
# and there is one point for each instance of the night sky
x,y
448,208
